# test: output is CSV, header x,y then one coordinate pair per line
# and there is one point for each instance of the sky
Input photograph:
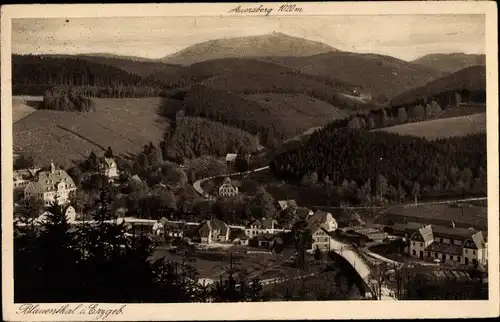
x,y
403,36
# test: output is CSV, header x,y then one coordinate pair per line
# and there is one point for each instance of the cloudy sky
x,y
404,36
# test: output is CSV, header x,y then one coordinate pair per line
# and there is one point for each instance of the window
x,y
466,250
428,254
473,252
451,257
421,244
436,255
459,259
414,252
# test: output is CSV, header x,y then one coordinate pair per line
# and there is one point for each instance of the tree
x,y
436,109
241,161
370,123
263,203
318,255
402,115
108,153
24,162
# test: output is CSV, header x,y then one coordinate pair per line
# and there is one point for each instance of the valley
x,y
270,161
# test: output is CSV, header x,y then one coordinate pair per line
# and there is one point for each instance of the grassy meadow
x,y
124,124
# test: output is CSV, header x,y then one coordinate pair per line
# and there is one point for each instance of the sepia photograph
x,y
260,154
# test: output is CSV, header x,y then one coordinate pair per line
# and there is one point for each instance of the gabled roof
x,y
318,217
479,240
48,181
284,204
427,234
216,225
108,162
230,157
302,213
264,223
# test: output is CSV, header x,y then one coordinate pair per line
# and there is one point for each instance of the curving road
x,y
197,183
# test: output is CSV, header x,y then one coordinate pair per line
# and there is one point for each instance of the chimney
x,y
52,167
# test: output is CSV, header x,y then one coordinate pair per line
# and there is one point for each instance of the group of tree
x,y
23,161
232,110
194,137
413,284
59,99
34,74
356,165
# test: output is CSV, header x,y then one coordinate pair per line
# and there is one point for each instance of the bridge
x,y
360,265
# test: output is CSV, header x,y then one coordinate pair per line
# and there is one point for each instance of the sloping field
x,y
124,124
447,127
465,216
297,111
23,106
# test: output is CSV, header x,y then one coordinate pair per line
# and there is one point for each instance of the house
x,y
256,227
266,240
214,231
447,244
23,177
322,218
321,238
300,214
228,188
174,229
108,168
50,186
287,204
239,237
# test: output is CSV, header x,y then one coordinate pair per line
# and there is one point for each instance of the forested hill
x,y
445,166
451,63
33,74
469,82
194,137
133,65
378,74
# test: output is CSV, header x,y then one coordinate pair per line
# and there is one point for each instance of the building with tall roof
x,y
321,224
262,226
326,219
108,168
228,188
214,231
465,246
49,186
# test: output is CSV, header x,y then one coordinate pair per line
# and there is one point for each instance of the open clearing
x,y
23,106
448,127
125,125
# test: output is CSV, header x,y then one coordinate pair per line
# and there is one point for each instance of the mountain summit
x,y
272,44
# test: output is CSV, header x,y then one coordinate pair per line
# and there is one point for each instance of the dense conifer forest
x,y
34,74
194,137
356,159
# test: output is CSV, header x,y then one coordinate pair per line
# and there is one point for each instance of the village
x,y
266,249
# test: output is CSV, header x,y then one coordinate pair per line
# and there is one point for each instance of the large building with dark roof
x,y
465,246
50,186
